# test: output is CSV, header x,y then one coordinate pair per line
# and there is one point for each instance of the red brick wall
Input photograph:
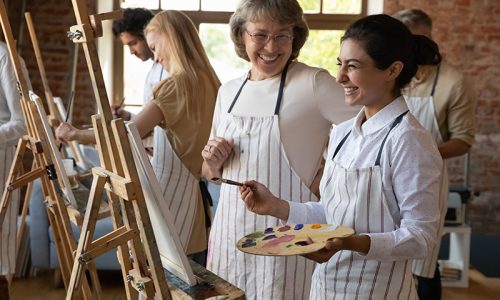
x,y
468,34
51,19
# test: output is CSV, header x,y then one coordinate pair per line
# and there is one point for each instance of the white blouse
x,y
312,102
411,175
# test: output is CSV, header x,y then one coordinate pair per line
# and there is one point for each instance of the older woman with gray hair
x,y
272,125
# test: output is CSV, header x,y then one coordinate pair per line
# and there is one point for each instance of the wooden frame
x,y
43,168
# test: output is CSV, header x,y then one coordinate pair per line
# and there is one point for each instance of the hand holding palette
x,y
291,239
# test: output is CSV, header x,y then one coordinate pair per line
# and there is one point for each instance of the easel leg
x,y
86,235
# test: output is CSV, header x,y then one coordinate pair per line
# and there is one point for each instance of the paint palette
x,y
291,239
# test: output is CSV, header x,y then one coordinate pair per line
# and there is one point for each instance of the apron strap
x,y
207,202
340,144
396,122
238,93
435,81
282,87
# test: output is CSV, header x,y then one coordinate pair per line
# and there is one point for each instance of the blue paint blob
x,y
298,226
269,230
269,237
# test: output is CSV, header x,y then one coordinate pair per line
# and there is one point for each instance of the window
x,y
326,19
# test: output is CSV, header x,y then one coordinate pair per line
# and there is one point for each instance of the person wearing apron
x,y
381,178
271,124
12,127
444,103
180,114
423,109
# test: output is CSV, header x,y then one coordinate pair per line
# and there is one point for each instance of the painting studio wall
x,y
51,20
467,31
468,34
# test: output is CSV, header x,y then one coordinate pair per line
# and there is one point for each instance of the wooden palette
x,y
291,239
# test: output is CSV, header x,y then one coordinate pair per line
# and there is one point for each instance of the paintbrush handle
x,y
228,181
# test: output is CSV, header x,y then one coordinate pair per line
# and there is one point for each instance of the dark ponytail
x,y
426,51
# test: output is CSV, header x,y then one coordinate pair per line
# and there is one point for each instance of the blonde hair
x,y
186,58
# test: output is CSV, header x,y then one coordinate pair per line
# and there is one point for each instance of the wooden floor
x,y
41,287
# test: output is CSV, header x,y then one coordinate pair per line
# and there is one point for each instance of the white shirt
x,y
312,101
411,175
155,75
12,125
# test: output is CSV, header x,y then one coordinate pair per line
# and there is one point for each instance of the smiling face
x,y
365,84
268,59
136,45
157,47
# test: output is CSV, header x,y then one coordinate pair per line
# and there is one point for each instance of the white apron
x,y
179,187
257,154
9,227
355,198
423,110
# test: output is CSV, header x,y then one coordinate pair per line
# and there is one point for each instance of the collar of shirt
x,y
381,119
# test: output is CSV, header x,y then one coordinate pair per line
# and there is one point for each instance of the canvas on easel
x,y
56,155
169,244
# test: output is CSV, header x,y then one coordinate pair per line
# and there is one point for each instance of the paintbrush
x,y
228,181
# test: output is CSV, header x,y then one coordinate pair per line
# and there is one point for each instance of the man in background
x,y
129,29
444,103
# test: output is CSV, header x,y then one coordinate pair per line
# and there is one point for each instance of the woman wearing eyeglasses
x,y
271,124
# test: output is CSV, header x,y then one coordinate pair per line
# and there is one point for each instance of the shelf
x,y
459,254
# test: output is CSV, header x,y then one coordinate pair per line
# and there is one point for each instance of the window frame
x,y
315,21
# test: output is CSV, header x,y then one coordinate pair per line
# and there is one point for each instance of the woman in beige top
x,y
182,106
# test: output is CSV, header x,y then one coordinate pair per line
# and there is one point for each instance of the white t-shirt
x,y
312,102
155,75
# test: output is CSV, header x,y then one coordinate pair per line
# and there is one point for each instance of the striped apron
x,y
257,154
423,109
179,187
355,198
9,227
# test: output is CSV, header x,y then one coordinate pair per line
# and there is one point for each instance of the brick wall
x,y
468,33
51,19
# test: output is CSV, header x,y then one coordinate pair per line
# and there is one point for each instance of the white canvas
x,y
169,245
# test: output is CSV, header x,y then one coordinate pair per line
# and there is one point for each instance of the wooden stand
x,y
133,235
54,116
43,168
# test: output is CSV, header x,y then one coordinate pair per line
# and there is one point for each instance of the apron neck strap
x,y
280,91
435,80
396,122
377,161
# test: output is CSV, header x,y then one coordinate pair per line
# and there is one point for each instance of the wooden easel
x,y
43,168
138,253
133,235
54,117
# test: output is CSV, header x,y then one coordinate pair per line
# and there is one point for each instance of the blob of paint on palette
x,y
291,239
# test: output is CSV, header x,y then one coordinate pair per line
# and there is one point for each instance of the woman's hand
x,y
358,243
119,111
65,132
258,199
215,153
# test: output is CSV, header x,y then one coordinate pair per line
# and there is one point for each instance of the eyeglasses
x,y
264,38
